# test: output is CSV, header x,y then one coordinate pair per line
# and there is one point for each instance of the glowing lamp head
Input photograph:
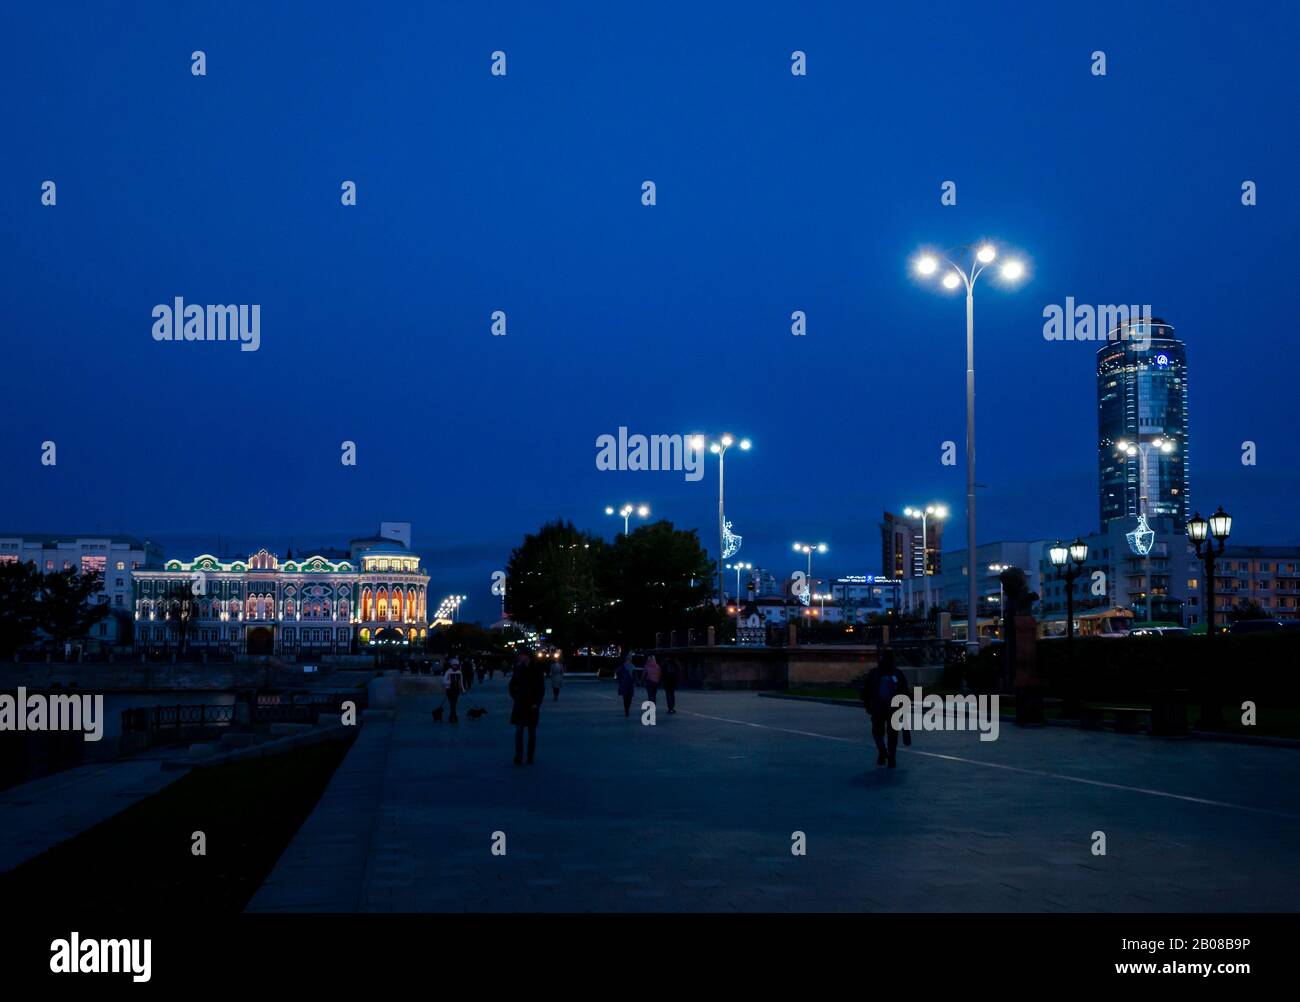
x,y
951,280
1059,554
745,444
986,254
1166,446
1198,529
697,441
1078,551
715,448
1220,524
927,265
1013,271
1132,450
726,441
821,547
643,511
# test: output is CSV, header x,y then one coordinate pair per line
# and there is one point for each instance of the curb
x,y
337,732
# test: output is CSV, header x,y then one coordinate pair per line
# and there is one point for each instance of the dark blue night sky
x,y
775,193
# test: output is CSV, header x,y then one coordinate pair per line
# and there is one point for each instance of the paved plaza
x,y
697,814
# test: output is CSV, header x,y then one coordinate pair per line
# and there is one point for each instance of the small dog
x,y
475,712
437,713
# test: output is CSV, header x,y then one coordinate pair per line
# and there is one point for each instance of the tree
x,y
66,607
1247,608
19,607
180,608
657,579
552,583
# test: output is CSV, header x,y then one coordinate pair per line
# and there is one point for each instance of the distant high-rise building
x,y
902,554
1143,449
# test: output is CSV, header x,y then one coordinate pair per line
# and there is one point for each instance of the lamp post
x,y
719,448
738,567
1002,594
936,511
809,549
974,262
1142,450
626,511
1069,561
1200,531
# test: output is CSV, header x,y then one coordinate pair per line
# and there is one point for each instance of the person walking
x,y
882,684
467,677
653,674
627,683
528,691
452,686
557,678
671,676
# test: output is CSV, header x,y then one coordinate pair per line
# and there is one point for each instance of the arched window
x,y
381,603
397,604
250,608
410,605
367,606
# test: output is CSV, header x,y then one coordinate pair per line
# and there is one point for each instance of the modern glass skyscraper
x,y
1143,449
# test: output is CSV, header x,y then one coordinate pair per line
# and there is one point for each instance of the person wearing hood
x,y
653,673
627,682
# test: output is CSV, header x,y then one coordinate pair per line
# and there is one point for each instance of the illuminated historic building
x,y
326,603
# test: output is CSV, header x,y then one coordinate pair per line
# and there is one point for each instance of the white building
x,y
116,558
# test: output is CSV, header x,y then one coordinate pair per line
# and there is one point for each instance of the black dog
x,y
475,712
437,714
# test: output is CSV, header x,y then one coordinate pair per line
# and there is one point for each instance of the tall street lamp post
x,y
719,448
809,549
974,262
738,567
1200,531
1142,450
936,511
626,511
1002,594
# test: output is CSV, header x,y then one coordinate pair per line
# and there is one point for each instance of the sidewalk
x,y
40,814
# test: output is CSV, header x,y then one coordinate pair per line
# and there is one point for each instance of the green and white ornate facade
x,y
262,605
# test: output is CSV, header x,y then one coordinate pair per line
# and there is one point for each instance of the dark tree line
x,y
60,604
588,591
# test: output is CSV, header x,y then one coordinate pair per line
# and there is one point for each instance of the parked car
x,y
1256,626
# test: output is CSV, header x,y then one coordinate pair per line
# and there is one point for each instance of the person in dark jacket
x,y
452,686
883,683
528,691
626,676
671,676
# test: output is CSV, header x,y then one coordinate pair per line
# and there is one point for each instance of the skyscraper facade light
x,y
1143,449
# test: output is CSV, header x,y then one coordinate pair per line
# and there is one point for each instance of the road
x,y
697,813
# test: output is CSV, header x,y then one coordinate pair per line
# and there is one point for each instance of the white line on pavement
x,y
1012,768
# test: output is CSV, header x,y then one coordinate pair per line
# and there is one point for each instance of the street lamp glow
x,y
951,280
726,441
986,254
745,444
927,265
1013,270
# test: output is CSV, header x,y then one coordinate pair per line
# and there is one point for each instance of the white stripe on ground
x,y
1011,768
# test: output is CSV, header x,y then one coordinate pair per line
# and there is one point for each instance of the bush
x,y
1254,666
